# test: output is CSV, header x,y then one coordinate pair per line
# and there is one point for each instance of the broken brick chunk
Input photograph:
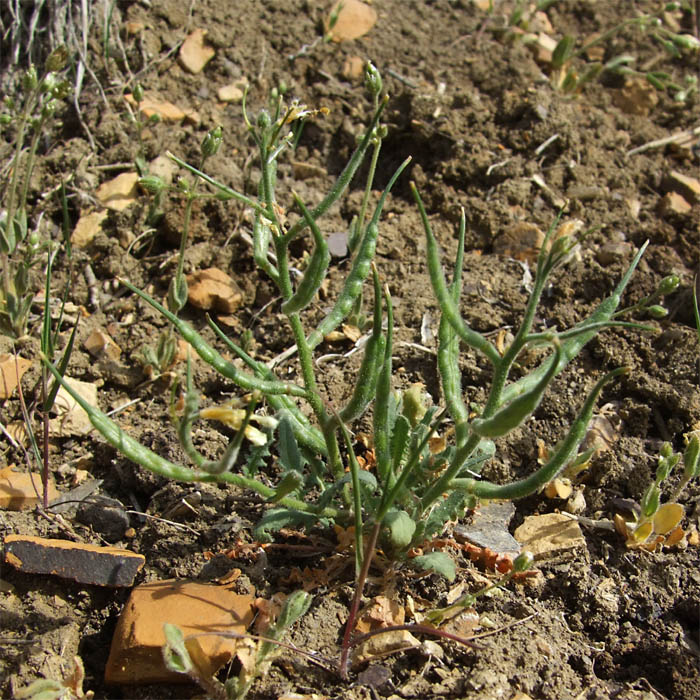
x,y
84,563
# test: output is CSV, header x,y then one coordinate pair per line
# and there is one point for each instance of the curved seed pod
x,y
213,358
315,272
351,289
366,383
520,408
572,346
448,350
448,307
567,450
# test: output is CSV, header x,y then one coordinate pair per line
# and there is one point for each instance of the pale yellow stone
x,y
120,192
549,534
194,53
355,19
88,226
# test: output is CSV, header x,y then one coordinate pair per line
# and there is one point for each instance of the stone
x,y
17,489
353,68
688,187
550,534
233,92
105,516
88,226
673,203
120,192
637,96
100,344
84,563
194,53
354,19
213,289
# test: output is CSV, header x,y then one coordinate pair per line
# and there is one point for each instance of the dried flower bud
x,y
57,59
373,80
211,142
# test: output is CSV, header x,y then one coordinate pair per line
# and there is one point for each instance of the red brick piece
x,y
84,563
196,608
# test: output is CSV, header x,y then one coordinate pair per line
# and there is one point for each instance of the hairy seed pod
x,y
690,458
520,408
352,288
315,271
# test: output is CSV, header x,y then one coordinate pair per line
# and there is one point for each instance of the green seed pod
x,y
352,287
154,119
513,414
30,80
153,184
650,501
668,284
666,450
315,272
5,119
657,311
686,41
264,120
665,466
690,458
138,93
177,294
211,142
523,561
366,382
57,59
373,80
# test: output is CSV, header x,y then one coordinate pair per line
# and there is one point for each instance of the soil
x,y
472,107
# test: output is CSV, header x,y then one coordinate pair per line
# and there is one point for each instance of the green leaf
x,y
274,520
295,606
42,689
291,481
290,457
449,508
563,51
175,654
401,528
437,562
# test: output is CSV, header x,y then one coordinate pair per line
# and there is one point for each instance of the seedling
x,y
653,525
21,248
571,79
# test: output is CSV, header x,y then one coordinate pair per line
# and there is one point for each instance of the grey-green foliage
x,y
420,480
571,78
21,247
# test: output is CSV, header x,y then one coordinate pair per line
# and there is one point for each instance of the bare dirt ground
x,y
473,108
